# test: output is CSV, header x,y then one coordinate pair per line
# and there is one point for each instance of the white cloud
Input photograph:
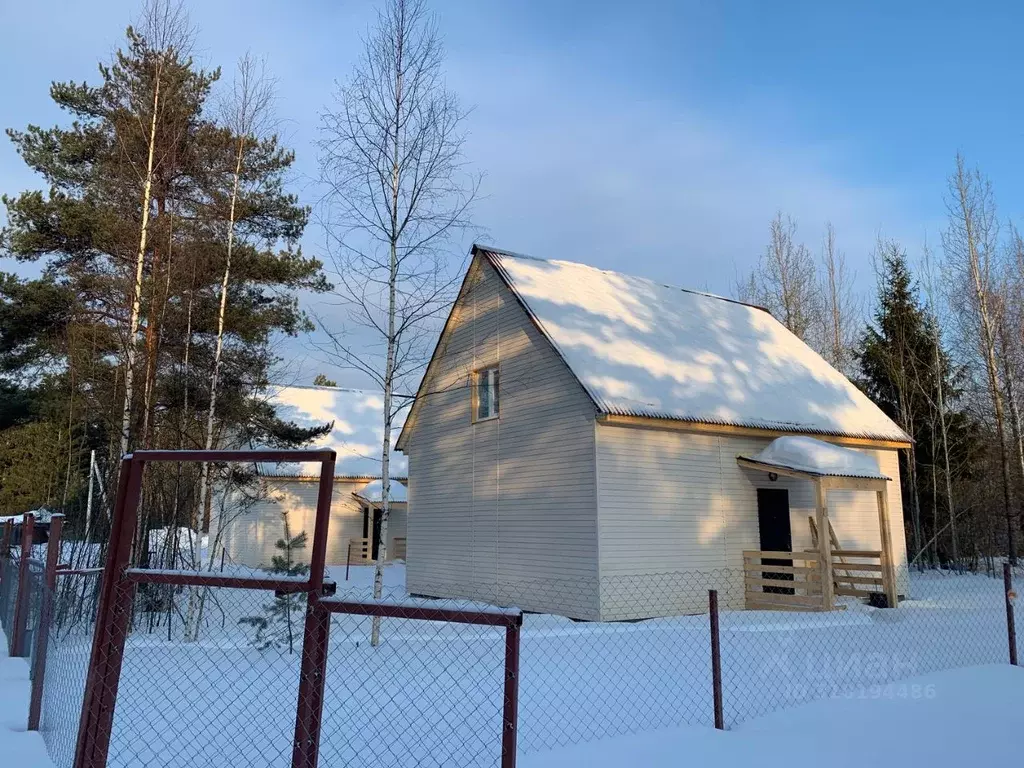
x,y
651,187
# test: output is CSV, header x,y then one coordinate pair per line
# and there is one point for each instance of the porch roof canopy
x,y
813,459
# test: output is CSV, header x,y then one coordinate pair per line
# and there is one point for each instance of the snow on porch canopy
x,y
817,458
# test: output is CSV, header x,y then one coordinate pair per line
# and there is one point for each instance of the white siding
x,y
674,507
503,510
249,538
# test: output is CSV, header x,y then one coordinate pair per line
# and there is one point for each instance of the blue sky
x,y
656,138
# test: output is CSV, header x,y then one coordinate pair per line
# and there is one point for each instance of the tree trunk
x,y
204,476
944,439
389,366
1011,398
988,338
140,260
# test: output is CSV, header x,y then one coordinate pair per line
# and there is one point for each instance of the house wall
x,y
676,513
249,538
504,510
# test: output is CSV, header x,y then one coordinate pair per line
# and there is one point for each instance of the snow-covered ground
x,y
960,717
432,693
18,746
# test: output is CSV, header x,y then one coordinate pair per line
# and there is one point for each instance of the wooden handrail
x,y
779,555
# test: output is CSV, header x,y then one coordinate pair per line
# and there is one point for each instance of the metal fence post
x,y
21,600
511,710
313,676
1011,625
5,540
45,614
716,659
5,556
112,619
313,667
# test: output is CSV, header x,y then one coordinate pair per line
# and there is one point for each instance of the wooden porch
x,y
811,580
360,551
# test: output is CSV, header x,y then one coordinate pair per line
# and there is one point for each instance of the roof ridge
x,y
695,292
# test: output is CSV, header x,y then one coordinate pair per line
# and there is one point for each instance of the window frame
x,y
475,388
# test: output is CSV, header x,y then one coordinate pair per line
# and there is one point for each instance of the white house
x,y
248,535
590,443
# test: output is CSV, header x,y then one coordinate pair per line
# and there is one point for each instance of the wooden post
x,y
35,706
824,547
888,567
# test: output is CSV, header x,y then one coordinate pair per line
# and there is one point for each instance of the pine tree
x,y
71,332
275,628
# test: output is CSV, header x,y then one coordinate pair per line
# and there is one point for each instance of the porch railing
x,y
782,581
857,572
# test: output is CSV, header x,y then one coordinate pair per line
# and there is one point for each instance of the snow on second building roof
x,y
374,492
640,348
357,435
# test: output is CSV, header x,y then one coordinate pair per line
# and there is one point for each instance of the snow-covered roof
x,y
357,436
41,515
805,454
373,491
640,348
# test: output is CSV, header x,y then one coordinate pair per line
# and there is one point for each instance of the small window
x,y
485,394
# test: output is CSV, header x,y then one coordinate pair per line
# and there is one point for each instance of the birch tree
x,y
785,280
839,311
167,34
971,246
247,116
940,404
398,195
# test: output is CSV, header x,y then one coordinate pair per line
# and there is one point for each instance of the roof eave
x,y
746,430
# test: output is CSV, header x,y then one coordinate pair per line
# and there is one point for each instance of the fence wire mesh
x,y
67,663
209,677
9,577
220,686
430,693
775,660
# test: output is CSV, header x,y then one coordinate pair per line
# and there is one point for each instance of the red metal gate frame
x,y
510,619
118,590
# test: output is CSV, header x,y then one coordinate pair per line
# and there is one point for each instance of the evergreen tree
x,y
275,628
67,337
901,372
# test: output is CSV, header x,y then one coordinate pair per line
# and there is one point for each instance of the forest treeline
x,y
939,346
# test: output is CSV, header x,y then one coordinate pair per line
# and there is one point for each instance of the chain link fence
x,y
224,689
69,644
430,693
9,577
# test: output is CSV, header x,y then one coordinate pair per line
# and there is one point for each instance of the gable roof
x,y
643,349
357,435
640,348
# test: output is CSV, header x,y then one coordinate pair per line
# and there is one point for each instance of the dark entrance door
x,y
776,535
375,543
